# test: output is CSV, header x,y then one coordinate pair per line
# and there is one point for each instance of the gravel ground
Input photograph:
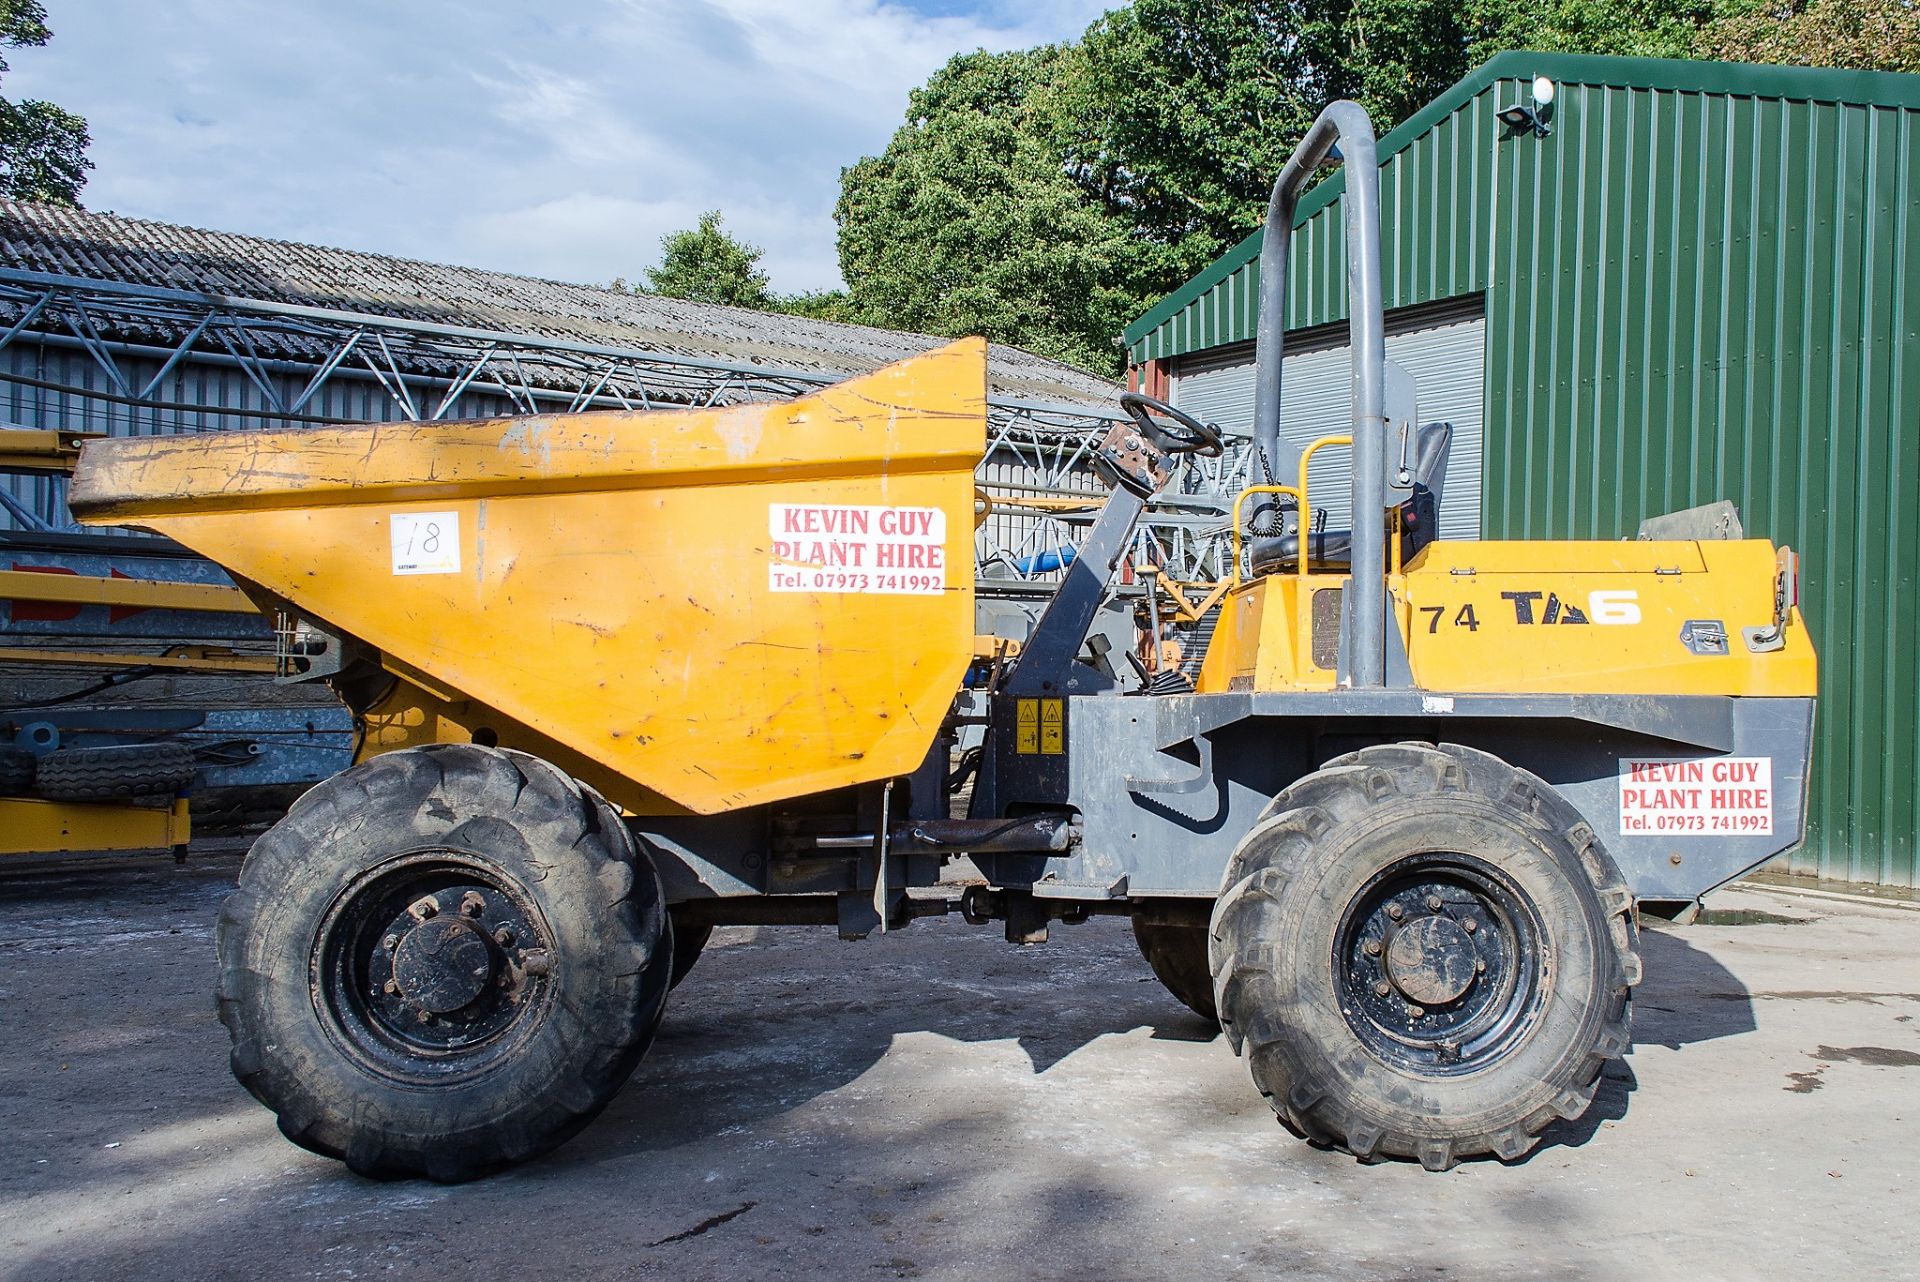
x,y
937,1104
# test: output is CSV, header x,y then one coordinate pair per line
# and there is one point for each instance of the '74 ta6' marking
x,y
1606,606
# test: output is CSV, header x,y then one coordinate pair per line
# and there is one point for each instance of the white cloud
x,y
486,132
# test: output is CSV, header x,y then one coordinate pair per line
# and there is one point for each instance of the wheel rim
x,y
1439,964
431,967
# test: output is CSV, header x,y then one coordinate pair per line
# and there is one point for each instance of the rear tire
x,y
446,1041
689,942
1424,953
1178,956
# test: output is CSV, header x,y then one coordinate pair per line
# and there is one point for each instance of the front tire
x,y
442,961
1424,953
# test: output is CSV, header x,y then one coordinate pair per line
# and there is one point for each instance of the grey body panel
x,y
1174,839
1165,788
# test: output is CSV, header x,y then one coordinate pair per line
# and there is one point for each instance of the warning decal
x,y
1040,727
1696,796
1026,727
1053,727
857,547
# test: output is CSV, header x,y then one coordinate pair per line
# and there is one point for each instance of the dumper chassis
x,y
621,679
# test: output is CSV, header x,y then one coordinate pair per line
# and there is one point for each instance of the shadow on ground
x,y
931,1102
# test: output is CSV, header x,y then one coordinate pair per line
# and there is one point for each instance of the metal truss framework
x,y
290,354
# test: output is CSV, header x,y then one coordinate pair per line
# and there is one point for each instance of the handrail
x,y
1241,498
1299,495
1306,454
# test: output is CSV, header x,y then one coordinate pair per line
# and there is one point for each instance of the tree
x,y
968,222
819,304
1880,35
1046,197
706,265
1632,28
1180,112
42,147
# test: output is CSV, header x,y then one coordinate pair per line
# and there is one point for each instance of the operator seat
x,y
1419,516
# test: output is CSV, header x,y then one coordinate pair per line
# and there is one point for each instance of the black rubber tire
x,y
1276,942
688,943
591,896
118,773
1178,956
16,770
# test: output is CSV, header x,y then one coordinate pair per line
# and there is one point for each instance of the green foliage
x,y
968,223
823,304
1632,28
43,149
707,265
1881,35
1180,112
1046,197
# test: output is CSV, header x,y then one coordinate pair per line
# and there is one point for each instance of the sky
x,y
560,139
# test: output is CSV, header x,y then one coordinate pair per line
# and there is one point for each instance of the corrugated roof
x,y
139,251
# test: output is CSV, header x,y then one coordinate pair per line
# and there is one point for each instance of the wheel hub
x,y
1439,963
431,955
1431,960
442,965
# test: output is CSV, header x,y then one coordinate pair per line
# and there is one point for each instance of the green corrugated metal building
x,y
1702,283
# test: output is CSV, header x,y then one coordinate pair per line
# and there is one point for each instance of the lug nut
x,y
503,936
1415,1012
390,943
1381,988
390,988
1396,912
1371,948
426,1017
472,904
1470,925
1479,965
425,908
1433,903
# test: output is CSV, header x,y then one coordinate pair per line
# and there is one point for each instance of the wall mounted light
x,y
1520,118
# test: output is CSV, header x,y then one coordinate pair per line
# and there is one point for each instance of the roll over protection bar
x,y
1364,617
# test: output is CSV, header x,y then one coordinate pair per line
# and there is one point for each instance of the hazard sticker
x,y
1026,727
857,547
1053,727
1696,796
1040,727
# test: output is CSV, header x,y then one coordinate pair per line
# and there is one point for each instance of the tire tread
x,y
1243,986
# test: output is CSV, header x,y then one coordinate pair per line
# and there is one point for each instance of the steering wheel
x,y
1194,438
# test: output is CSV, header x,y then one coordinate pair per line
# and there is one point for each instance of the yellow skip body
x,y
696,610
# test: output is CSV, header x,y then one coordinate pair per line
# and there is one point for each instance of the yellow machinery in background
x,y
31,825
127,800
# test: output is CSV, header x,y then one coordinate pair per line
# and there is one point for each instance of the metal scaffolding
x,y
133,347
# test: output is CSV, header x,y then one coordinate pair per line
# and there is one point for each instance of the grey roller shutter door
x,y
1446,354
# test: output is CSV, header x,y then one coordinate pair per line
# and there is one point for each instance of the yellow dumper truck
x,y
623,677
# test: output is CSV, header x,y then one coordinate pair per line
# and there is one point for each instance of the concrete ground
x,y
937,1104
